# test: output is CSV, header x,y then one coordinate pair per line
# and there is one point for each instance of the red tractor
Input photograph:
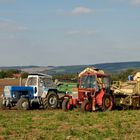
x,y
93,92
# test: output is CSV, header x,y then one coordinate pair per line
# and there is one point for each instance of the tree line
x,y
117,76
11,73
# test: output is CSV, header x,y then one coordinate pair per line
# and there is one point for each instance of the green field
x,y
73,125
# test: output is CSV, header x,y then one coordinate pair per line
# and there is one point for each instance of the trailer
x,y
127,94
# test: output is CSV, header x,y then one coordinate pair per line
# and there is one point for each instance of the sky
x,y
69,32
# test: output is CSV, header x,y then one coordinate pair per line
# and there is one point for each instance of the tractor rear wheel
x,y
65,105
85,106
52,100
2,106
23,104
107,102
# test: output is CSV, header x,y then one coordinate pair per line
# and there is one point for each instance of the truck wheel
x,y
65,105
52,100
85,106
23,104
2,106
107,102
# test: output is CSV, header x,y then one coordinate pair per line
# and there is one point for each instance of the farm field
x,y
73,125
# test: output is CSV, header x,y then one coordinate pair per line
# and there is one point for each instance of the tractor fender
x,y
54,90
46,91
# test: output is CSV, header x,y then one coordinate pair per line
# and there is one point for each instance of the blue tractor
x,y
39,91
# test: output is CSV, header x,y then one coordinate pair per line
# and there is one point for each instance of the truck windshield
x,y
88,81
32,81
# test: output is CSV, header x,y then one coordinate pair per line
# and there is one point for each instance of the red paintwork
x,y
96,96
72,101
99,97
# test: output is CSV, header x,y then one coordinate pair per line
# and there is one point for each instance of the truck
x,y
39,91
93,92
127,94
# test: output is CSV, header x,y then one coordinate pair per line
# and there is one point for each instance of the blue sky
x,y
69,32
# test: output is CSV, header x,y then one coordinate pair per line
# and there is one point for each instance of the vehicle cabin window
x,y
88,81
106,82
32,81
103,81
48,82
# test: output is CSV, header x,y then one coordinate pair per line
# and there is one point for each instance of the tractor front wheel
x,y
23,104
85,106
52,100
107,102
65,105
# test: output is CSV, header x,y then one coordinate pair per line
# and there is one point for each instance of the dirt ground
x,y
9,82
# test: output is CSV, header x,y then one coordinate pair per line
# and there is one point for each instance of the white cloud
x,y
120,1
81,10
136,2
10,26
82,32
77,11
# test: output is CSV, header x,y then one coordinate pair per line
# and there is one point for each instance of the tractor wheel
x,y
23,104
85,106
35,105
52,100
65,105
107,102
2,106
45,103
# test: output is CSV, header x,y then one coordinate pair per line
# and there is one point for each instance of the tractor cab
x,y
93,91
92,82
41,83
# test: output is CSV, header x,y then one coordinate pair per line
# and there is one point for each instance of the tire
x,y
23,104
45,103
52,100
65,105
2,106
35,105
107,102
85,106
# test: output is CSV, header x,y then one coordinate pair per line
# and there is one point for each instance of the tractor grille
x,y
7,92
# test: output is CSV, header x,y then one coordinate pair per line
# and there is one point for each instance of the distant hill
x,y
108,67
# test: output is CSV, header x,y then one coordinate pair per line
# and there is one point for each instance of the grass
x,y
72,125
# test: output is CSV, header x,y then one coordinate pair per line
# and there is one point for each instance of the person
x,y
130,77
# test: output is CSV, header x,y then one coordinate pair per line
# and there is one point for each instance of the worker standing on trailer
x,y
130,77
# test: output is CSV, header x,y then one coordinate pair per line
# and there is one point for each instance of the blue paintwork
x,y
12,89
20,88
